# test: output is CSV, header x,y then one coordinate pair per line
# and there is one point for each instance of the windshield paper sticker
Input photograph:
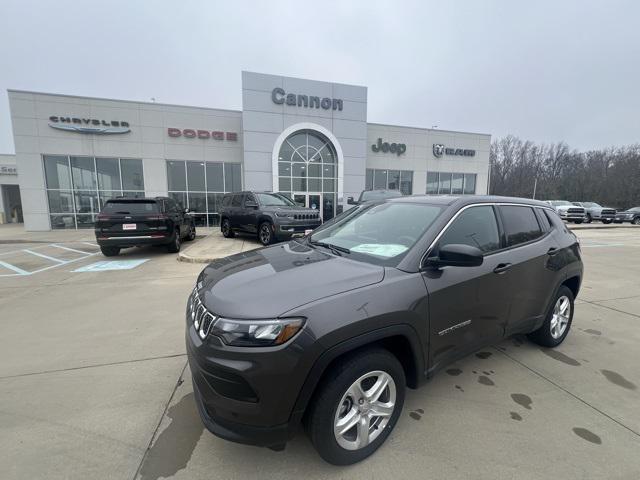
x,y
380,250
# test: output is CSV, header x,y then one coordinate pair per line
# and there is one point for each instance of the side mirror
x,y
351,201
250,204
456,255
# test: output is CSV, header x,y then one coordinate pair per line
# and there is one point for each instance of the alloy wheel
x,y
561,316
265,234
225,228
364,410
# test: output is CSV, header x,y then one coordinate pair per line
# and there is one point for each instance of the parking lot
x,y
94,381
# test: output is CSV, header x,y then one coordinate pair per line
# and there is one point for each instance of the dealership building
x,y
308,139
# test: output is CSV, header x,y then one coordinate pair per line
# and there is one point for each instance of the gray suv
x,y
329,330
270,216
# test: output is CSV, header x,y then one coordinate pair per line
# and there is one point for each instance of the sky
x,y
546,71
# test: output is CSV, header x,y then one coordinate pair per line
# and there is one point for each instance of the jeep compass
x,y
330,329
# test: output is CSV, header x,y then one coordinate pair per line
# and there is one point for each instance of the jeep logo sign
x,y
439,150
279,96
397,148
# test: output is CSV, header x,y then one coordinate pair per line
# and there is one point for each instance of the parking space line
x,y
53,259
89,243
70,249
18,270
59,264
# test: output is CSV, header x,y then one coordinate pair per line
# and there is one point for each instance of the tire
x,y
192,233
636,221
174,246
588,219
110,251
578,221
265,234
333,399
225,228
548,335
607,221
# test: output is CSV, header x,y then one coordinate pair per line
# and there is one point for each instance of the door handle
x,y
502,267
552,251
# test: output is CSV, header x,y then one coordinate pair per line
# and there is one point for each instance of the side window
x,y
555,220
226,200
544,221
249,197
520,224
475,226
237,200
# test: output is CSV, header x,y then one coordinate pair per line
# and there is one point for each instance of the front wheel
x,y
225,228
265,235
558,322
356,407
192,233
110,251
588,219
607,221
174,246
578,221
636,221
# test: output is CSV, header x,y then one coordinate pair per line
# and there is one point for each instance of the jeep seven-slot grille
x,y
305,216
202,319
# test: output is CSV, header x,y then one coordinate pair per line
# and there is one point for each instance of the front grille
x,y
305,216
575,210
607,211
202,319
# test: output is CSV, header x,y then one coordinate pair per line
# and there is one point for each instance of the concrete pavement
x,y
94,384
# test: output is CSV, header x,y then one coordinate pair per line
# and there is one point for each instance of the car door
x,y
235,217
533,274
249,216
468,306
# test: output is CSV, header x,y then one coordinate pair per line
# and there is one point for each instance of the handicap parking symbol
x,y
111,265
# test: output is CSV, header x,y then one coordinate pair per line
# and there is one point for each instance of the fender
x,y
324,360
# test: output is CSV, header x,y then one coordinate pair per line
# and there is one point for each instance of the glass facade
x,y
307,163
447,183
77,187
378,179
200,186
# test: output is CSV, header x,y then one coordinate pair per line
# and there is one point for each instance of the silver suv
x,y
597,212
568,211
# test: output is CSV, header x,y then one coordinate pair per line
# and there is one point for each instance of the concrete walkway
x,y
215,246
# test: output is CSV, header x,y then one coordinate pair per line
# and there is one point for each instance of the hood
x,y
268,282
567,207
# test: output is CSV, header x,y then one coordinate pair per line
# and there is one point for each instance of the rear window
x,y
226,201
130,208
520,225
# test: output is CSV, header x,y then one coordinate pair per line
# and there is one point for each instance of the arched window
x,y
307,162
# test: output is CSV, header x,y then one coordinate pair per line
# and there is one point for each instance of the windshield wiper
x,y
335,249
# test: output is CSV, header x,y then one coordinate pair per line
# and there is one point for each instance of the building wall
x,y
264,121
419,155
7,163
148,140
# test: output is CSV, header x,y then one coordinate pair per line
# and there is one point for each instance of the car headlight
x,y
256,333
284,214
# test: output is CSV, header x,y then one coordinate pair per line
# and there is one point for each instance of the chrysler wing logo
x,y
99,130
438,150
88,125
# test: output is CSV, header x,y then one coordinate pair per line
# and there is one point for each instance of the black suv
x,y
272,216
330,329
128,222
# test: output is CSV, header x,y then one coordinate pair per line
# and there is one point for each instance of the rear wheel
x,y
110,251
636,221
174,246
265,234
225,228
356,407
558,322
192,233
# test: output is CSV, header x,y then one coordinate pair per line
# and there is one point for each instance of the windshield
x,y
129,207
381,234
274,200
369,195
591,205
634,209
557,203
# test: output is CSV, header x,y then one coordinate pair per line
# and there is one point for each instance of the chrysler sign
x,y
88,125
439,150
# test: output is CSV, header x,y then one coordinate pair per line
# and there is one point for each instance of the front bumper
x,y
295,228
572,216
248,394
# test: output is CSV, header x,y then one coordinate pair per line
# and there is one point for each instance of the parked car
x,y
331,328
631,215
593,211
270,216
129,222
568,211
373,195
